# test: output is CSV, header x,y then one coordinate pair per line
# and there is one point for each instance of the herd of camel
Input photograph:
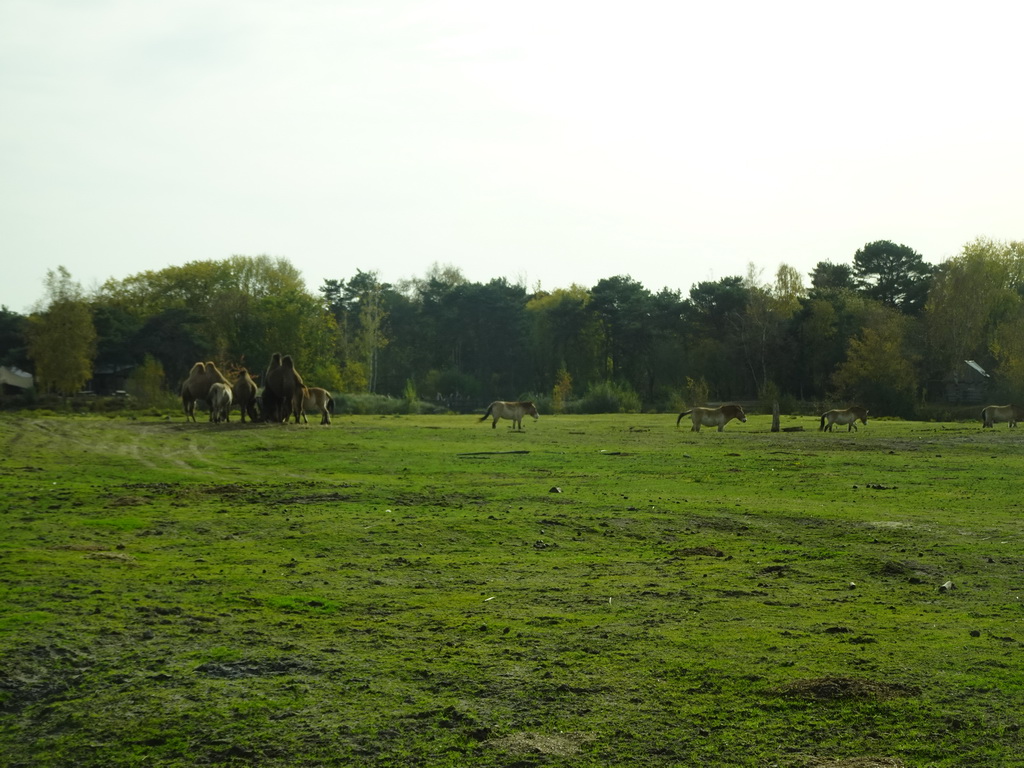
x,y
284,394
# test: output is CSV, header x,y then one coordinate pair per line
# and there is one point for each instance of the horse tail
x,y
822,427
330,404
484,417
684,413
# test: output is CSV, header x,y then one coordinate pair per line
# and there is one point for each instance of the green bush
x,y
607,397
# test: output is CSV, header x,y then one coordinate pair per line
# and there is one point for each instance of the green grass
x,y
593,591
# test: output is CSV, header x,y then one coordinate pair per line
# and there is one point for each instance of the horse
x,y
220,402
201,377
848,417
1009,413
244,394
713,417
506,409
317,399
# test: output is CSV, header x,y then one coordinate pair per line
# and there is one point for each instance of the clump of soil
x,y
849,762
562,744
837,688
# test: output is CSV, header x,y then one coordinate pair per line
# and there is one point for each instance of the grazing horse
x,y
713,417
317,399
220,402
1009,413
848,417
506,409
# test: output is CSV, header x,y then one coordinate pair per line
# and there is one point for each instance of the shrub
x,y
608,397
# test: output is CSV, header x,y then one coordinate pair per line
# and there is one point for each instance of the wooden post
x,y
775,416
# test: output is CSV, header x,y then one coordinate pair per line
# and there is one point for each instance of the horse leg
x,y
494,424
325,417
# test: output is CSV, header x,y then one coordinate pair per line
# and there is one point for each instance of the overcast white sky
x,y
548,142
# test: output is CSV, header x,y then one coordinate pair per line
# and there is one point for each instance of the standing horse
x,y
1009,413
317,399
506,409
848,417
713,417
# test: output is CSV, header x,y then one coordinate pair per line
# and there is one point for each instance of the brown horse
x,y
507,409
317,399
848,417
197,387
713,417
1008,413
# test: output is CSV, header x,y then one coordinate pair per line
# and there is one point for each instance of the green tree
x,y
895,275
561,393
972,293
146,382
623,308
13,338
62,337
231,299
879,373
564,333
828,277
763,324
716,312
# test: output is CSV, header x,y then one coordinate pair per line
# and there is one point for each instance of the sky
x,y
548,143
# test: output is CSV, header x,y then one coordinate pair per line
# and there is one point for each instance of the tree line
x,y
886,329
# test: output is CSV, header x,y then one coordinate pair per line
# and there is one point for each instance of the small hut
x,y
14,381
967,384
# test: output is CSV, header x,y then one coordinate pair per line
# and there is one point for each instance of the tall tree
x,y
359,306
829,277
716,311
879,371
623,307
13,338
62,337
895,275
971,294
565,335
764,321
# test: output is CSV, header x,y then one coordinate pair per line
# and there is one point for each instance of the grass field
x,y
428,591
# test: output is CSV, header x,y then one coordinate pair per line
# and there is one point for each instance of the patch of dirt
x,y
119,556
531,743
699,552
254,667
809,761
838,688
